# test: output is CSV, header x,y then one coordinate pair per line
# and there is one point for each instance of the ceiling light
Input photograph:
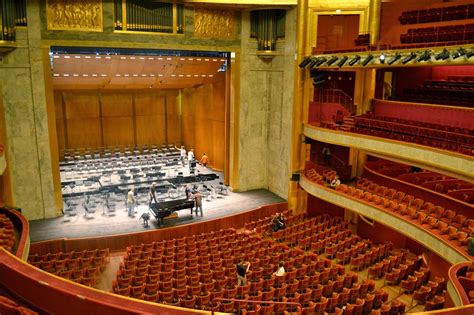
x,y
75,75
211,75
56,74
131,58
458,53
135,75
442,55
108,57
367,60
77,57
342,61
353,61
67,57
117,75
394,59
85,75
214,59
65,75
98,57
94,74
55,56
338,11
123,57
382,58
409,58
151,58
424,56
103,75
142,58
332,60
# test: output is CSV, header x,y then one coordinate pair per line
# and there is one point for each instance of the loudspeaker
x,y
319,78
295,177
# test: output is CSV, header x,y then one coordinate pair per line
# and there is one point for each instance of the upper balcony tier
x,y
442,161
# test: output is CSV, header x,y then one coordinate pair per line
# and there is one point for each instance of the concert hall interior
x,y
149,148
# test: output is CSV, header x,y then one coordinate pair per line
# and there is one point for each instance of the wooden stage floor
x,y
102,224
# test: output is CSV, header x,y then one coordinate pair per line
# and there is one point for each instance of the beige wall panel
x,y
218,102
117,104
218,145
59,113
84,133
118,131
149,104
150,130
81,104
173,133
187,122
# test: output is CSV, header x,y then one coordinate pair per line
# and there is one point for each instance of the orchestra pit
x,y
237,157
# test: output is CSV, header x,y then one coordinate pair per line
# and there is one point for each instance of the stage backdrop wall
x,y
91,119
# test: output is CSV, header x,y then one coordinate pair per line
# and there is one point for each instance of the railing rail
x,y
337,96
296,304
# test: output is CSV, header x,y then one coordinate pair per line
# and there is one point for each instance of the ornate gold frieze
x,y
214,23
76,15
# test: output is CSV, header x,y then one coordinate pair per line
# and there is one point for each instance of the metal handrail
x,y
337,96
297,304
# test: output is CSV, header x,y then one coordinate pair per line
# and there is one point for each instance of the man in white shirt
x,y
182,154
281,270
335,182
130,202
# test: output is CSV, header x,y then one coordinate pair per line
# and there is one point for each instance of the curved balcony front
x,y
447,162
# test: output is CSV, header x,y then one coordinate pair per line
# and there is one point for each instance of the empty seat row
x,y
7,233
450,13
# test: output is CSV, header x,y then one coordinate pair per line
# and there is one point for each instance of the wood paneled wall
x,y
203,122
194,117
97,119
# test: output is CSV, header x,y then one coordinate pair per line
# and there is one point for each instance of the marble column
x,y
266,104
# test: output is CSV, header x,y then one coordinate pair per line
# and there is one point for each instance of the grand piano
x,y
164,209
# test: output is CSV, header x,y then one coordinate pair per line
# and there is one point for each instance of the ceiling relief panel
x,y
74,15
210,23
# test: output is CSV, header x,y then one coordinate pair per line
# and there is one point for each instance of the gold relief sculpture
x,y
77,15
214,23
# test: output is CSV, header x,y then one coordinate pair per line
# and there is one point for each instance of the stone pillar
x,y
27,125
266,103
374,20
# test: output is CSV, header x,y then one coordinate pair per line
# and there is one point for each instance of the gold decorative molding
x,y
74,15
214,23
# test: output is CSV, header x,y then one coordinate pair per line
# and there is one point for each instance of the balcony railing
x,y
338,97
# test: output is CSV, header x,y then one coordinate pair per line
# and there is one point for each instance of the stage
x,y
102,223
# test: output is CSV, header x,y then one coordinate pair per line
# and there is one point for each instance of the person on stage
x,y
204,160
187,190
190,155
182,153
130,202
152,193
198,202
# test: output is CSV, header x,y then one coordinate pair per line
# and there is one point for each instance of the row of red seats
x,y
80,266
434,131
425,141
362,40
7,233
8,306
450,33
456,96
450,217
430,180
444,222
435,126
459,12
461,82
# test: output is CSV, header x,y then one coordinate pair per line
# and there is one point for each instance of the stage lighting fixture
x,y
342,61
382,58
442,55
409,58
332,60
470,54
458,53
319,62
312,62
305,62
394,58
353,61
424,56
367,60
